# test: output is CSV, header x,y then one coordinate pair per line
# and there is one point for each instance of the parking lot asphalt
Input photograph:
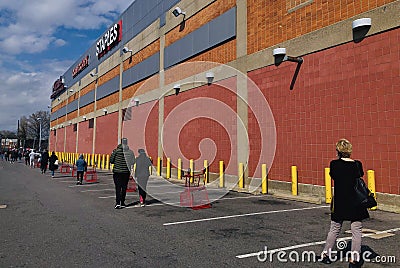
x,y
52,222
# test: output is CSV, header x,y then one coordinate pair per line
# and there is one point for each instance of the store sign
x,y
58,86
81,66
112,37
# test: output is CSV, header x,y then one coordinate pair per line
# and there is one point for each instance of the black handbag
x,y
363,195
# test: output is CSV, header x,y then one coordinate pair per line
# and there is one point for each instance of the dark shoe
x,y
117,206
123,205
78,183
325,259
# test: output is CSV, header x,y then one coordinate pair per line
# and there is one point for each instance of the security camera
x,y
71,90
126,50
177,11
136,101
93,74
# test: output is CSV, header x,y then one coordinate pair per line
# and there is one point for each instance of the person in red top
x,y
344,171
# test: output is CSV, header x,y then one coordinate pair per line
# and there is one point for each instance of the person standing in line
x,y
344,171
142,174
26,156
123,158
81,166
32,156
44,160
52,163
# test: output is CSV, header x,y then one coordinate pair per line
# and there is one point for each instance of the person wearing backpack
x,y
53,166
81,166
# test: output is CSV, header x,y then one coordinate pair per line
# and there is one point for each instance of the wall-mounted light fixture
x,y
70,122
136,101
71,90
177,88
84,118
209,77
93,74
62,125
360,29
105,111
58,98
363,22
280,56
178,11
49,106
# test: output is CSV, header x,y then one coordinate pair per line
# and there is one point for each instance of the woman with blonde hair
x,y
344,171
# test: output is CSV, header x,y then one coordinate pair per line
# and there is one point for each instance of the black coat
x,y
344,205
44,159
52,160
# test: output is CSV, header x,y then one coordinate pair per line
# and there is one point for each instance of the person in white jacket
x,y
32,158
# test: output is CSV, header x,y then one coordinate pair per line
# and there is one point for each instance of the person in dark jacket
x,y
344,172
52,163
123,158
44,160
142,174
81,166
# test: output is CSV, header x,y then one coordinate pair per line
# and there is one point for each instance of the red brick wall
x,y
349,91
60,134
200,114
269,23
106,133
70,143
85,138
142,129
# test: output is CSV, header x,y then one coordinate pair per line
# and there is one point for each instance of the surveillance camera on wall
x,y
177,11
93,74
126,50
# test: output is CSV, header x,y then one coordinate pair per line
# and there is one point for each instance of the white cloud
x,y
30,27
35,22
60,42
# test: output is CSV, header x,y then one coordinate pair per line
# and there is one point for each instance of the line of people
x,y
123,159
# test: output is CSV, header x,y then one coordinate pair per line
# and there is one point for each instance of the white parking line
x,y
219,199
92,184
98,190
243,215
272,251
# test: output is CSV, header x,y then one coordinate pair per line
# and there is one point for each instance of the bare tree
x,y
36,122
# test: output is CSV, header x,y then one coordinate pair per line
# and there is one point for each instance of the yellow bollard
x,y
294,180
93,160
103,162
221,174
264,179
241,175
98,161
191,166
108,162
87,159
206,179
328,186
179,168
168,168
159,166
371,184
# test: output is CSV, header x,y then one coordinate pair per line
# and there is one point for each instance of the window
x,y
91,123
75,127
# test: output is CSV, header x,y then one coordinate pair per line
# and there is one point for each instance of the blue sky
x,y
39,41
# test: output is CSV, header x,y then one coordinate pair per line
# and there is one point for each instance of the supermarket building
x,y
343,68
